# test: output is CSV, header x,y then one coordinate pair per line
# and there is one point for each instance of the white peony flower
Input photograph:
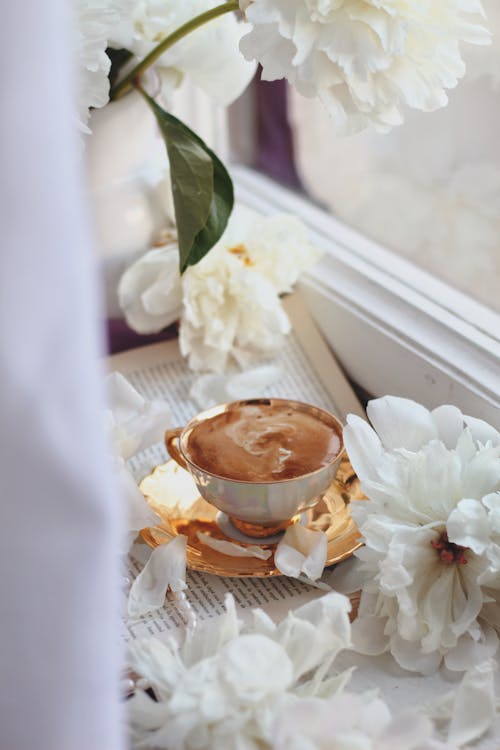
x,y
150,292
224,688
231,305
209,56
95,21
231,312
231,308
430,570
365,59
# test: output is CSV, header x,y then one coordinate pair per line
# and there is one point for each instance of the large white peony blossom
x,y
209,56
430,570
365,59
224,688
266,687
231,311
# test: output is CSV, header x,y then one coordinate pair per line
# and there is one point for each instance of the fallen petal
x,y
166,568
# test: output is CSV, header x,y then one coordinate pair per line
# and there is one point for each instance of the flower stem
x,y
127,82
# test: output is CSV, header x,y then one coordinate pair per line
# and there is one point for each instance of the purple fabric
x,y
120,337
275,142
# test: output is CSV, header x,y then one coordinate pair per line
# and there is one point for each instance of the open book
x,y
310,373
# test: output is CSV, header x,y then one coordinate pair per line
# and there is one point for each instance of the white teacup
x,y
258,508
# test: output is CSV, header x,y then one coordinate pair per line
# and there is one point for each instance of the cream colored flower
x,y
209,56
225,688
367,60
277,247
430,570
231,313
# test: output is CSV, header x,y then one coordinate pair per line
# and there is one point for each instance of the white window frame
x,y
394,327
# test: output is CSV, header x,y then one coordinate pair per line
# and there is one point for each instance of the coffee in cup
x,y
261,461
263,442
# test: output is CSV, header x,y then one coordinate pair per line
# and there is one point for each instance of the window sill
x,y
394,327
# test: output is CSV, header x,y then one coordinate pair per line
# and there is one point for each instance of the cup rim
x,y
220,408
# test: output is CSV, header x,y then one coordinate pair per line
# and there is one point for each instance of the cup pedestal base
x,y
241,531
258,531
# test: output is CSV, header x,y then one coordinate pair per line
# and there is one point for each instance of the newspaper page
x,y
309,373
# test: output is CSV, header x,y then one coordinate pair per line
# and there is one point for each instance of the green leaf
x,y
201,186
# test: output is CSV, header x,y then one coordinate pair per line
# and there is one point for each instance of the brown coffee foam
x,y
263,443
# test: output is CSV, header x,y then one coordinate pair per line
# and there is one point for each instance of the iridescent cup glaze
x,y
258,509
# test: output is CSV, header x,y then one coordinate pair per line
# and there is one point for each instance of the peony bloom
x,y
224,688
430,568
365,59
209,56
231,311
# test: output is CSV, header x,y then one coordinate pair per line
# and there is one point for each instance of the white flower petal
x,y
409,655
401,423
150,292
210,389
234,550
470,652
363,447
156,661
210,635
301,550
95,23
166,568
368,636
468,525
474,706
450,424
133,422
317,629
255,667
208,57
138,513
482,431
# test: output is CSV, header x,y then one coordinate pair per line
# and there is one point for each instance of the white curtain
x,y
59,657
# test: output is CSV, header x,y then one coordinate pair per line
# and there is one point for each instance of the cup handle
x,y
172,446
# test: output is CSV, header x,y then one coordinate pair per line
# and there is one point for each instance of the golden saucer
x,y
171,492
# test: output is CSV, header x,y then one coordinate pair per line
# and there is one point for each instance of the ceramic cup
x,y
258,509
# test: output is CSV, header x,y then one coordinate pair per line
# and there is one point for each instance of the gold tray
x,y
171,492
